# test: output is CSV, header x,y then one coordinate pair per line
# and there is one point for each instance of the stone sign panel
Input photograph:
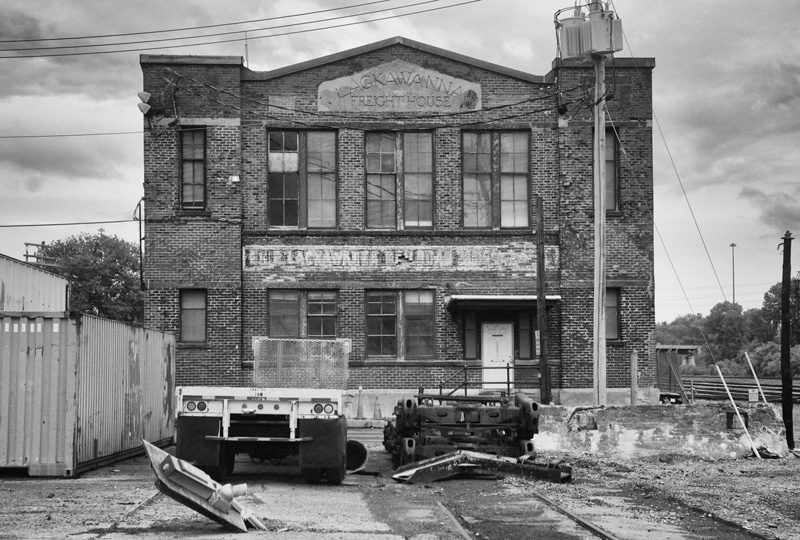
x,y
398,86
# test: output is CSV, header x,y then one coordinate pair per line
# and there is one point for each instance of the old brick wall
x,y
629,229
211,248
195,248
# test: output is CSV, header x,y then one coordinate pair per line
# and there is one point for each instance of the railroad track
x,y
712,389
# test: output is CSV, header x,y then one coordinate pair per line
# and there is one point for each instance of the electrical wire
x,y
217,42
204,36
21,225
735,324
58,135
188,28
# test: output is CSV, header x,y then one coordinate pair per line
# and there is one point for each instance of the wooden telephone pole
x,y
786,332
595,36
599,318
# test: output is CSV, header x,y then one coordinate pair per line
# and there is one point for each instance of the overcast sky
x,y
726,100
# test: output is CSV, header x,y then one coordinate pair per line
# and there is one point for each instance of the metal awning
x,y
462,302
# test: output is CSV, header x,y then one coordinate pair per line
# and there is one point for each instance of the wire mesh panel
x,y
301,363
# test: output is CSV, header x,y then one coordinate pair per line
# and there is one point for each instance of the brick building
x,y
385,195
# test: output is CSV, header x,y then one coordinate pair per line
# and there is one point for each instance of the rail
x,y
511,382
712,389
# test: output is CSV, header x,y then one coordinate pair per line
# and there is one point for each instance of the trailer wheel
x,y
313,475
335,475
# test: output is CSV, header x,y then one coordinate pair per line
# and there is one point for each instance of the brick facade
x,y
228,248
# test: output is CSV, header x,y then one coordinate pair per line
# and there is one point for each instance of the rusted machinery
x,y
498,426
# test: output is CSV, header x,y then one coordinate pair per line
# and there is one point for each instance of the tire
x,y
313,475
335,475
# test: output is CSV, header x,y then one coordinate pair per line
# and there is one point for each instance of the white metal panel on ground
x,y
38,358
26,288
81,390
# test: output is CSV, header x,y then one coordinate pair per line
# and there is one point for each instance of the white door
x,y
497,346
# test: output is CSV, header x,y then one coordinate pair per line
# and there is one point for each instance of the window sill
x,y
193,345
391,232
394,362
189,212
616,343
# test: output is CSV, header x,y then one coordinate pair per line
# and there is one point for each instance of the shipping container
x,y
78,391
27,288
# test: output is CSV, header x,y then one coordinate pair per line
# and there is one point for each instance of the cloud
x,y
18,25
778,210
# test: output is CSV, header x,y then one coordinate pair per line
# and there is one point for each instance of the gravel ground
x,y
667,497
757,497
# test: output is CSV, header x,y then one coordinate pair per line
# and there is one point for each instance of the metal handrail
x,y
466,383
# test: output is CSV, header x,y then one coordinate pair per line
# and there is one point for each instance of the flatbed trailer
x,y
294,408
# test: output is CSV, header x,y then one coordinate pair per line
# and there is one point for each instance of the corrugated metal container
x,y
26,288
80,391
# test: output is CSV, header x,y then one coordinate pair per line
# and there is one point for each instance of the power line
x,y
162,40
188,28
217,42
70,135
25,225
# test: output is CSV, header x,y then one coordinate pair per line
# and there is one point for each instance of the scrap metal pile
x,y
435,436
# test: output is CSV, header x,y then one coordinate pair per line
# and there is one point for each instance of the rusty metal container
x,y
78,391
26,288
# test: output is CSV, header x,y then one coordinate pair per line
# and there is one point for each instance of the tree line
x,y
728,331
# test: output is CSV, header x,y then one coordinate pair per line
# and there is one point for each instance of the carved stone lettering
x,y
399,86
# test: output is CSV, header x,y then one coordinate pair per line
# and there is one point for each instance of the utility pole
x,y
541,305
786,367
594,37
599,319
733,271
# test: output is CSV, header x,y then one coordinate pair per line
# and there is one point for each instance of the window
x,y
418,179
404,159
298,314
495,169
418,319
611,171
301,184
322,315
612,315
193,168
193,315
400,324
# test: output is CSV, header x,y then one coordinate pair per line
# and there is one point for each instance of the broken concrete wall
x,y
709,430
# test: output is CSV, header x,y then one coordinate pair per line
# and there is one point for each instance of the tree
x,y
684,330
723,327
104,275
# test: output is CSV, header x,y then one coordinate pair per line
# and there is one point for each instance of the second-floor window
x,y
193,168
399,180
611,171
496,175
301,187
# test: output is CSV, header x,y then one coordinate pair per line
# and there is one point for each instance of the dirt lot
x,y
668,496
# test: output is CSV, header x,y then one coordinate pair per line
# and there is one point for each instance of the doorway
x,y
497,351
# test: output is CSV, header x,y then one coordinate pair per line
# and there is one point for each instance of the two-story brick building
x,y
386,195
